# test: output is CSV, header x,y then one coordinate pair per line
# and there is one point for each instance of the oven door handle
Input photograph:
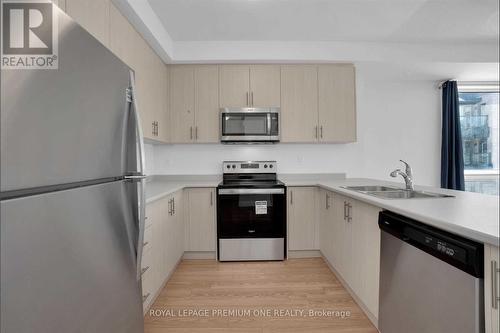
x,y
226,191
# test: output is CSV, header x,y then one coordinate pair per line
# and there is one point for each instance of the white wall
x,y
398,118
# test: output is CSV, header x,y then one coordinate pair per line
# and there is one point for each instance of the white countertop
x,y
471,215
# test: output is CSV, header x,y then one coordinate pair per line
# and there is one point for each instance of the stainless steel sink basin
x,y
388,192
371,188
407,194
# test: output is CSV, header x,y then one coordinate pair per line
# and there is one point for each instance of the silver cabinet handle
x,y
316,132
349,207
291,197
321,131
494,286
345,210
196,132
144,244
157,128
170,207
211,198
251,102
247,99
327,199
173,206
144,270
153,128
145,297
191,132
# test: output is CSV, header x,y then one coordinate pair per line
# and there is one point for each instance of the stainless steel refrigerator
x,y
72,193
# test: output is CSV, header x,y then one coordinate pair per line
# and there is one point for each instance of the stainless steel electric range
x,y
251,212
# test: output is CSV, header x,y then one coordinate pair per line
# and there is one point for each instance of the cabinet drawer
x,y
148,237
147,289
147,261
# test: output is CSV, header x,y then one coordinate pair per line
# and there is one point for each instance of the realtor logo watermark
x,y
29,35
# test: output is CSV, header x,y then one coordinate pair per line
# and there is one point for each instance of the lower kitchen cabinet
x,y
350,241
325,221
303,229
200,215
491,288
163,244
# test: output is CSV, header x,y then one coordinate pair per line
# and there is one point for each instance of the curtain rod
x,y
469,83
440,83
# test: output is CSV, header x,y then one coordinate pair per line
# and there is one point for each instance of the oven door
x,y
249,125
251,213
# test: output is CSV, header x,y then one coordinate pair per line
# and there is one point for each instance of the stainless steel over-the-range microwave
x,y
250,125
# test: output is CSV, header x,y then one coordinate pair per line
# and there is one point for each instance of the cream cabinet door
x,y
206,103
299,103
234,86
337,103
303,230
122,36
326,223
179,203
265,85
200,231
163,94
365,249
491,288
182,96
93,15
143,64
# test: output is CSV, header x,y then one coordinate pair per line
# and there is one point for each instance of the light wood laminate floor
x,y
257,289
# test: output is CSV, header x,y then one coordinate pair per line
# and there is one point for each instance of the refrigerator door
x,y
68,261
69,124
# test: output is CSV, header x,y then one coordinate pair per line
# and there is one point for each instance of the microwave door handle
x,y
269,124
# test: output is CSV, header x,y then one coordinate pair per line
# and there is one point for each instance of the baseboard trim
x,y
295,254
358,301
199,255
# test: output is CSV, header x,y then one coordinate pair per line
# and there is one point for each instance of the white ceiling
x,y
409,21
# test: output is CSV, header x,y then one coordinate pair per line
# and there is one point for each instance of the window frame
x,y
479,87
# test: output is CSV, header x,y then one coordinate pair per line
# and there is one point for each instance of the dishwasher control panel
x,y
457,251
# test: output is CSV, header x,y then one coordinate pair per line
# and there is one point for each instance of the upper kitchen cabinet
x,y
234,88
182,103
206,82
337,103
299,103
93,15
265,85
122,36
194,103
249,86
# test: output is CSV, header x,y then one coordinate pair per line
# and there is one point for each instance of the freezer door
x,y
68,261
69,124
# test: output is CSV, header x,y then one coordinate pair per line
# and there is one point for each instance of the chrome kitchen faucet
x,y
407,175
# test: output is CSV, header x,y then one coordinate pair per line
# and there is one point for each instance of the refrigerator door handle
x,y
139,177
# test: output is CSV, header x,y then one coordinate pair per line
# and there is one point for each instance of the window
x,y
479,118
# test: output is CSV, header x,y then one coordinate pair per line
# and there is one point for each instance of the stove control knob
x,y
228,166
271,166
234,166
265,166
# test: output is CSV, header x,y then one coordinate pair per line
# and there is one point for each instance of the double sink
x,y
389,192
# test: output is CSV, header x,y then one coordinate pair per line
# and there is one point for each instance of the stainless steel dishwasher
x,y
431,281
